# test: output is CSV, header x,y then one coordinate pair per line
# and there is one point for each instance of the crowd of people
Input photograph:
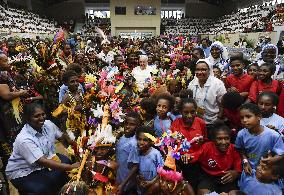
x,y
111,115
20,21
252,19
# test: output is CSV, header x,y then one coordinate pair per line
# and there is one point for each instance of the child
x,y
123,148
264,82
72,105
193,129
254,141
231,102
189,125
238,81
176,110
162,122
267,102
219,160
64,88
148,111
262,181
148,158
252,71
169,180
217,72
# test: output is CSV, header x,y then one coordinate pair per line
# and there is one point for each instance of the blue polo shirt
x,y
29,146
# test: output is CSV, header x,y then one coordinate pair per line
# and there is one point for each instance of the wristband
x,y
245,161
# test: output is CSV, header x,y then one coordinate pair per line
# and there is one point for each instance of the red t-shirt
x,y
234,118
198,128
258,86
241,83
214,162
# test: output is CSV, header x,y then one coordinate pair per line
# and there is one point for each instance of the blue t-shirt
x,y
274,120
148,164
124,147
160,126
250,185
256,146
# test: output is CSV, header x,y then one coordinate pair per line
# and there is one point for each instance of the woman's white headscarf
x,y
210,65
224,51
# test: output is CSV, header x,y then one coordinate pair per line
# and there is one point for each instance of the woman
x,y
193,129
9,127
142,73
207,92
269,54
218,55
33,167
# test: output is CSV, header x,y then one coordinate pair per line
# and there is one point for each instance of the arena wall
x,y
231,38
135,23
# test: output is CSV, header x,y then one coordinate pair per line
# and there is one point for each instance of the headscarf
x,y
224,51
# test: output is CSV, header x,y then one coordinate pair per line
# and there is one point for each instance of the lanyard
x,y
206,92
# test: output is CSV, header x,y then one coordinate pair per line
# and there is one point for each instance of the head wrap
x,y
269,46
224,51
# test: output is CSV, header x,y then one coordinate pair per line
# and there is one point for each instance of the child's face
x,y
264,73
130,126
237,67
253,71
101,152
222,140
119,61
265,103
143,143
188,113
177,105
216,72
249,119
73,83
163,107
264,173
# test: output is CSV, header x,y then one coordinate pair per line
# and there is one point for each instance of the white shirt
x,y
141,76
208,97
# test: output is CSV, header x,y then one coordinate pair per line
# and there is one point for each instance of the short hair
x,y
200,51
217,68
188,101
145,129
29,109
75,67
185,93
232,100
143,57
273,96
253,64
117,56
271,67
219,126
67,74
278,168
237,56
169,98
75,188
149,106
252,108
135,115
